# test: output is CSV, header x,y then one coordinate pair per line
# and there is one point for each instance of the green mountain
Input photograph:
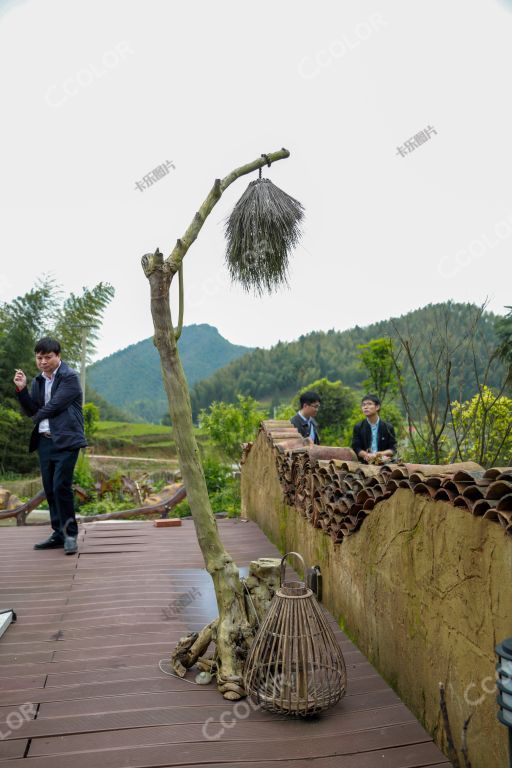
x,y
108,411
275,375
131,378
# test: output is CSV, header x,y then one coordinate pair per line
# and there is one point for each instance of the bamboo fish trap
x,y
295,666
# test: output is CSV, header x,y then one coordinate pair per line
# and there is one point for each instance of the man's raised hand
x,y
20,379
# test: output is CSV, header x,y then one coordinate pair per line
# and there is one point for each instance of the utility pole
x,y
83,359
84,335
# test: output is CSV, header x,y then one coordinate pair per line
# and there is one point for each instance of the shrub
x,y
229,425
82,475
483,427
91,419
337,404
223,490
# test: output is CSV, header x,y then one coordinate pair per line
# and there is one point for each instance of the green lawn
x,y
127,429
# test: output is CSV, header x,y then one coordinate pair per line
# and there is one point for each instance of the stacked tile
x,y
283,438
335,493
486,493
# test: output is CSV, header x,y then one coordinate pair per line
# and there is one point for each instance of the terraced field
x,y
115,438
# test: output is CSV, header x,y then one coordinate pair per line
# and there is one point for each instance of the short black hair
x,y
373,398
47,345
309,397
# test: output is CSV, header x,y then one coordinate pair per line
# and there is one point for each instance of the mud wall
x,y
424,589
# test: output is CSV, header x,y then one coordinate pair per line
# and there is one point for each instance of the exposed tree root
x,y
259,588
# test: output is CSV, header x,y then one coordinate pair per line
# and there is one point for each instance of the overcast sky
x,y
96,94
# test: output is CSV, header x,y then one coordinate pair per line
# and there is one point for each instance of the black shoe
x,y
52,543
70,545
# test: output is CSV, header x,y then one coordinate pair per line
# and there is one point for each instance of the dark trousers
x,y
57,474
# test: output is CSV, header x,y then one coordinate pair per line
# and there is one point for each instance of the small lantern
x,y
504,698
295,665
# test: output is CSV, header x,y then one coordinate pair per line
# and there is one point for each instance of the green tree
x,y
503,327
421,451
80,318
285,411
91,419
377,361
13,452
428,365
337,405
223,489
37,313
21,322
276,374
230,425
483,428
77,325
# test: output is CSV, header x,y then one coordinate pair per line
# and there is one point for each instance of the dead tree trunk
x,y
260,587
234,630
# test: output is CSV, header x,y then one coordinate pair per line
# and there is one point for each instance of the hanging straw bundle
x,y
261,231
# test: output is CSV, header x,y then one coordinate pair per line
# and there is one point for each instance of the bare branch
x,y
21,512
395,356
177,331
505,438
180,249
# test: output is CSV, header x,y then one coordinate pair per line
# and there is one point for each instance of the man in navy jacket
x,y
373,440
304,419
54,404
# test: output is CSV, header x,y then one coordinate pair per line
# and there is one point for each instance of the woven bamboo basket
x,y
295,666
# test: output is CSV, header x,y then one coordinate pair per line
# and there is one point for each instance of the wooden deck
x,y
85,651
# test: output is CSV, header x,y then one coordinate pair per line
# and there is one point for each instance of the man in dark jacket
x,y
373,440
54,404
304,418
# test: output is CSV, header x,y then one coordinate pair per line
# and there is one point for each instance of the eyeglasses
x,y
316,406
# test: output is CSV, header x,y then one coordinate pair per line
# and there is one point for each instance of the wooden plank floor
x,y
80,684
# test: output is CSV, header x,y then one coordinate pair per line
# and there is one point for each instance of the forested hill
x,y
131,379
276,374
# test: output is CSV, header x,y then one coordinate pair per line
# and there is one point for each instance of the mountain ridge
x,y
276,374
131,378
219,370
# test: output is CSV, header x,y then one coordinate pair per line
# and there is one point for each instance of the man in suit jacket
x,y
304,418
54,404
373,440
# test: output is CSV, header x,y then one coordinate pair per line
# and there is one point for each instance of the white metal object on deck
x,y
7,616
